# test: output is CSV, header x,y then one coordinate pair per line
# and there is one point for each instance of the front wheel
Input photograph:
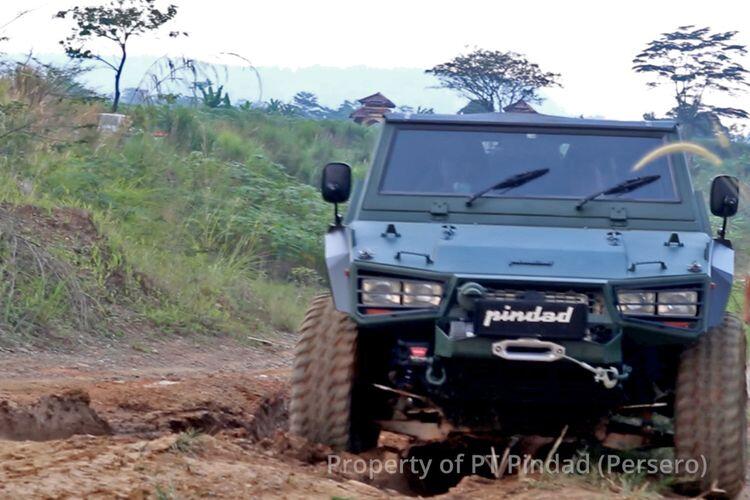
x,y
324,406
711,410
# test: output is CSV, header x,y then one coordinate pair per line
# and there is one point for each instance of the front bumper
x,y
481,348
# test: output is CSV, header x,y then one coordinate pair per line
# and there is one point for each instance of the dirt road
x,y
184,419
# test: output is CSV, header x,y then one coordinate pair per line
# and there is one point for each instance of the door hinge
x,y
439,209
618,216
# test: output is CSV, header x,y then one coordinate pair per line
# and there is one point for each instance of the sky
x,y
591,43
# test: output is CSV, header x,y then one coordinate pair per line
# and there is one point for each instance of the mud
x,y
51,417
195,421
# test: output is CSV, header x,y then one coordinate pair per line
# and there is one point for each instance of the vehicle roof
x,y
532,119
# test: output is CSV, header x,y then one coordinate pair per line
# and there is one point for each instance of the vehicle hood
x,y
569,253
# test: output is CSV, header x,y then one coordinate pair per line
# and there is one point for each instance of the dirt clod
x,y
51,417
271,416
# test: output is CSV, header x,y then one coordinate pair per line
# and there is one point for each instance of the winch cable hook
x,y
609,377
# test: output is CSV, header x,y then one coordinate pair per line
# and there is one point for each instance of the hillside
x,y
211,211
210,218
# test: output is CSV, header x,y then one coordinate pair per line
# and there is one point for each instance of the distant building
x,y
475,106
110,123
520,106
373,110
479,106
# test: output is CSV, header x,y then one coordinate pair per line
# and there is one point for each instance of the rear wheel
x,y
325,406
711,409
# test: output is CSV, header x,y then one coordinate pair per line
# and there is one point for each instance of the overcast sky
x,y
591,43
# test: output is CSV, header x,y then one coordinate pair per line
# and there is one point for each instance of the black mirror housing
x,y
336,182
725,195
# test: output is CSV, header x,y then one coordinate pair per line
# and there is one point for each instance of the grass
x,y
186,442
284,304
214,228
164,494
42,285
586,473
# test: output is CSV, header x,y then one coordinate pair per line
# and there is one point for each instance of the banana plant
x,y
211,98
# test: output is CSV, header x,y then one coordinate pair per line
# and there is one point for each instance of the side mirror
x,y
336,182
725,196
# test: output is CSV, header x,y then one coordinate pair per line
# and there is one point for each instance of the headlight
x,y
678,303
392,292
635,303
381,292
420,293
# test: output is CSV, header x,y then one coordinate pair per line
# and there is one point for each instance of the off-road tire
x,y
323,380
711,410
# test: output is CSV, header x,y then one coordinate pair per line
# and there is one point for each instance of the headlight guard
x,y
399,293
667,303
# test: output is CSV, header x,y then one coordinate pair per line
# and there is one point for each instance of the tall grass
x,y
212,211
299,147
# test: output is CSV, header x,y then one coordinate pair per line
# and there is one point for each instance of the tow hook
x,y
539,350
435,374
609,377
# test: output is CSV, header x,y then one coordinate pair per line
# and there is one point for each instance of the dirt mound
x,y
73,226
71,230
62,275
51,417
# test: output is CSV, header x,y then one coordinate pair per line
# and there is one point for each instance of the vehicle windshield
x,y
462,162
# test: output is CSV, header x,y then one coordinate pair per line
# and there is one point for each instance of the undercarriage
x,y
535,392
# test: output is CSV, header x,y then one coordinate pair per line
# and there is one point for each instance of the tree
x,y
345,109
695,61
279,107
494,79
309,107
4,26
118,21
420,110
211,98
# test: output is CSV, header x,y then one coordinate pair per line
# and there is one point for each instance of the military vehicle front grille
x,y
593,299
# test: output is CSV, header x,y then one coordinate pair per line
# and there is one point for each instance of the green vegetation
x,y
210,218
186,442
211,211
735,160
118,22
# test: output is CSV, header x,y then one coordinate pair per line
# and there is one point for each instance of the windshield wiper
x,y
623,187
509,183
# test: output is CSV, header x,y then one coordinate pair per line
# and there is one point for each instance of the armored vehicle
x,y
509,274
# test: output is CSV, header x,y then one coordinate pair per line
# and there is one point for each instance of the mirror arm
x,y
337,219
723,230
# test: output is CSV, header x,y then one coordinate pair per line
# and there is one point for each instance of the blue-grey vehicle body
x,y
523,247
527,244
